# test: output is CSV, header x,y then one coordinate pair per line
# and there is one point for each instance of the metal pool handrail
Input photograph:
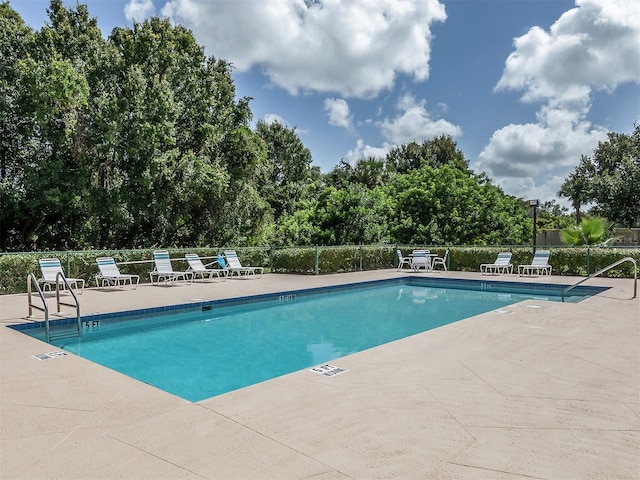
x,y
32,280
609,267
59,276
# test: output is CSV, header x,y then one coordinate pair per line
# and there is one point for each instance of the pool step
x,y
63,333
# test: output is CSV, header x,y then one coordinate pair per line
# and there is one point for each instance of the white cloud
x,y
193,10
414,123
555,141
355,48
138,10
536,152
270,118
339,114
361,151
595,46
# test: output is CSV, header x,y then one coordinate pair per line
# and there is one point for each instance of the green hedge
x,y
14,267
294,260
573,261
302,260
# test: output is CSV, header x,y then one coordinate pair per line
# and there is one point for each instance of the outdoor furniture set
x,y
423,259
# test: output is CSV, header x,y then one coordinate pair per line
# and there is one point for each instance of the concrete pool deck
x,y
538,390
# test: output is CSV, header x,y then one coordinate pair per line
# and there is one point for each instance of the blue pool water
x,y
201,351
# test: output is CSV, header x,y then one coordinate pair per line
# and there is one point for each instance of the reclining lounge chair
x,y
50,268
197,268
234,266
110,275
502,264
539,264
163,270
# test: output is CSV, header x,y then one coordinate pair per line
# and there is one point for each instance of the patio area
x,y
542,390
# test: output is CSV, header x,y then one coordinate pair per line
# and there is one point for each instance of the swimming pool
x,y
204,349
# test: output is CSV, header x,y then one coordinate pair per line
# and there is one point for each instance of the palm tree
x,y
591,231
370,172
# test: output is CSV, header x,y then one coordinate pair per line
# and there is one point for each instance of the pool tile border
x,y
480,285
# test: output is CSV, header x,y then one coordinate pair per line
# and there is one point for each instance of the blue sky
x,y
525,87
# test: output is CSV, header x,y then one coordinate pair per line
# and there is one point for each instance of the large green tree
x,y
132,141
610,179
438,199
352,215
15,147
288,168
450,205
434,152
52,100
173,119
139,140
422,194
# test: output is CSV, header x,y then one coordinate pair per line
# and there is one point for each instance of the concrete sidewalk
x,y
539,390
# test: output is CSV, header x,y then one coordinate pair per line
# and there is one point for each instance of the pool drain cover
x,y
328,370
50,355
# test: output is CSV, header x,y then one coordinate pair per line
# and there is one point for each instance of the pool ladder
x,y
609,267
63,333
288,298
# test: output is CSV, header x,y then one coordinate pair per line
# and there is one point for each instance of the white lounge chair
x,y
539,264
421,259
110,276
196,266
50,268
234,266
163,270
403,260
440,261
502,264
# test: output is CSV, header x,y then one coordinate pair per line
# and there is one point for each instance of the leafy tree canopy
x,y
434,153
610,179
287,167
552,216
138,140
448,205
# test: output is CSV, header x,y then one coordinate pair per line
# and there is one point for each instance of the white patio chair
x,y
234,266
110,275
163,270
50,267
421,259
502,264
539,264
403,260
440,261
196,266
